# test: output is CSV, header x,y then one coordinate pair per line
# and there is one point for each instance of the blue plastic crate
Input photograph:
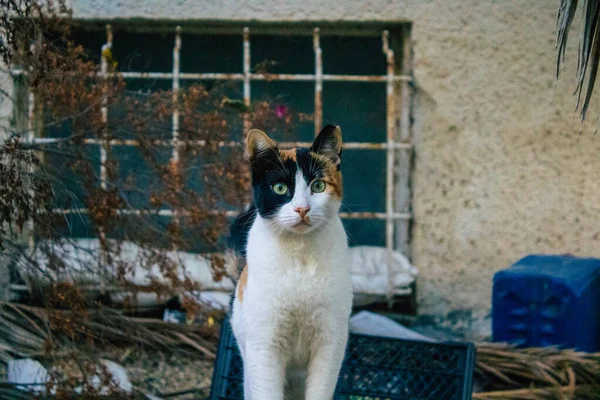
x,y
374,367
545,300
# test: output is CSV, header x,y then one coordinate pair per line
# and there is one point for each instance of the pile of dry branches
x,y
502,372
508,373
27,331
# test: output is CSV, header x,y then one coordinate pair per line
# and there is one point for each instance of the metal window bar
x,y
389,186
104,144
247,75
175,117
175,87
390,216
396,216
246,68
104,110
285,145
318,82
251,76
31,137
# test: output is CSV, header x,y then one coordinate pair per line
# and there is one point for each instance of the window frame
x,y
397,50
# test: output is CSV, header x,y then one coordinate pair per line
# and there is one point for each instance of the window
x,y
356,76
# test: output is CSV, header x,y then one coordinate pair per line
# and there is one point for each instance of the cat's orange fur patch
x,y
241,286
330,174
288,155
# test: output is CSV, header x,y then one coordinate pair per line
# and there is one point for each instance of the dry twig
x,y
536,373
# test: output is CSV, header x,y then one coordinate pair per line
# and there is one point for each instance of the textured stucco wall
x,y
501,167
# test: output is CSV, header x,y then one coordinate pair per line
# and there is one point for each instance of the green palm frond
x,y
589,46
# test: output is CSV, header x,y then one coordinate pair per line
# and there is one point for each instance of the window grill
x,y
398,125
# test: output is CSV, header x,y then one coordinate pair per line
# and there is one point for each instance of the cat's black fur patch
x,y
268,169
307,165
238,232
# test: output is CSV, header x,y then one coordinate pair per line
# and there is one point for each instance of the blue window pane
x,y
202,177
211,53
217,88
146,52
194,129
353,55
59,130
288,97
149,229
67,165
282,54
358,107
74,225
135,116
195,239
195,173
363,172
91,40
138,173
365,232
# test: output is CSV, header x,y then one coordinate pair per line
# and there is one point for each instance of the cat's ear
x,y
258,142
329,143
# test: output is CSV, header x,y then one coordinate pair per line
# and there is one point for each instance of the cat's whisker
x,y
347,206
351,239
279,229
279,167
250,220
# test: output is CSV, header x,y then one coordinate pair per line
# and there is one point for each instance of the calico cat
x,y
294,295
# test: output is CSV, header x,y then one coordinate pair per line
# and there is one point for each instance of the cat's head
x,y
297,190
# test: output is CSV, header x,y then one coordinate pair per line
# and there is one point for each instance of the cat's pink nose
x,y
302,211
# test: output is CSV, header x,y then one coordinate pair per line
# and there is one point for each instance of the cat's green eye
x,y
280,188
318,186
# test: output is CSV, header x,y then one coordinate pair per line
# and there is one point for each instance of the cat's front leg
x,y
266,372
324,368
247,391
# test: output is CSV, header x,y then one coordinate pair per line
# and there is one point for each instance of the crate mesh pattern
x,y
374,368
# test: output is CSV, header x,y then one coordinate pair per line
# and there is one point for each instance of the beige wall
x,y
501,168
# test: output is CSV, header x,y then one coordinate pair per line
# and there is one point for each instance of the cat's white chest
x,y
296,301
299,271
290,279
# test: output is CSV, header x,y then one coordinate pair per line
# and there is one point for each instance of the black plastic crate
x,y
374,368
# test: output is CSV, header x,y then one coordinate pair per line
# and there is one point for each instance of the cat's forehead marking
x,y
315,165
288,155
329,171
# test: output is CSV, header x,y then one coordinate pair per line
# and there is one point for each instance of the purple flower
x,y
280,111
